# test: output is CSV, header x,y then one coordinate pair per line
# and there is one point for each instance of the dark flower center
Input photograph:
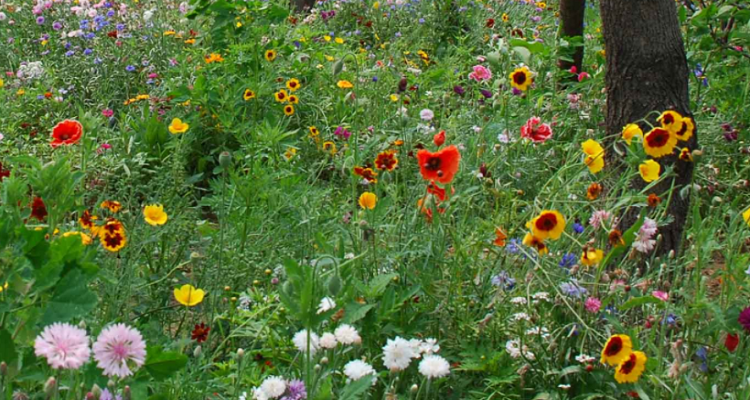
x,y
519,78
546,222
614,347
658,138
627,366
433,164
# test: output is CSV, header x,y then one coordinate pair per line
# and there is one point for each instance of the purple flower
x,y
107,395
342,132
744,319
459,90
573,289
130,68
486,93
504,281
296,390
578,228
40,20
69,53
87,52
57,25
568,260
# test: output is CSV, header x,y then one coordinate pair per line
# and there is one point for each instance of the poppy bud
x,y
402,85
3,368
225,159
589,367
439,138
126,395
90,396
731,342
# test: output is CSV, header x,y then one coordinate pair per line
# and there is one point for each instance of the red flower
x,y
66,133
732,341
490,23
38,209
112,34
4,173
439,138
439,166
200,332
536,131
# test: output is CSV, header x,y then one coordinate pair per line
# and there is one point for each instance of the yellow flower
x,y
339,40
290,153
20,92
591,257
671,121
632,368
293,99
630,131
327,38
617,349
169,33
189,296
594,155
521,78
4,287
505,17
533,241
248,95
293,84
649,170
314,131
270,55
85,239
177,126
329,147
376,5
112,235
344,85
368,200
214,57
659,142
288,110
238,24
329,58
394,98
687,129
190,41
746,216
548,224
2,83
281,96
154,215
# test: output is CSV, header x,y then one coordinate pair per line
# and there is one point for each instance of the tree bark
x,y
572,14
647,71
302,5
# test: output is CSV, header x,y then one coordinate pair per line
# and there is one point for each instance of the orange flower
x,y
366,173
112,236
113,206
66,133
386,160
440,166
594,190
500,237
87,220
653,200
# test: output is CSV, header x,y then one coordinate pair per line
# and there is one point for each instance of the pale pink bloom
x,y
118,348
644,241
663,296
536,131
481,73
593,304
426,114
63,345
598,217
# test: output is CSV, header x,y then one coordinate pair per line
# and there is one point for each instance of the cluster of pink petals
x,y
63,345
598,217
593,304
118,348
536,131
481,73
644,241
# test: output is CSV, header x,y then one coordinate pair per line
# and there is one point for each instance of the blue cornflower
x,y
512,246
111,13
130,68
702,354
578,228
568,260
90,35
69,53
83,24
504,281
375,79
573,289
670,319
87,52
421,20
120,27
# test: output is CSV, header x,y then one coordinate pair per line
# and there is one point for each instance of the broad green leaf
x,y
379,283
356,389
639,301
7,347
354,312
162,365
71,299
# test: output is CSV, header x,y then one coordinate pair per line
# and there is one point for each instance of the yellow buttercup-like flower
x,y
630,131
177,126
4,287
189,296
617,349
154,215
632,368
85,239
746,216
649,170
2,83
368,200
591,257
594,155
344,85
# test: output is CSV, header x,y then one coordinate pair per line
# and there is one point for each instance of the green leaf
x,y
325,390
523,53
162,365
7,347
356,389
71,299
639,301
628,237
355,311
379,283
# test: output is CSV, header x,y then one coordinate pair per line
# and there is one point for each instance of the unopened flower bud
x,y
414,388
671,253
225,159
324,360
227,288
90,396
96,391
197,351
317,367
50,387
126,395
240,354
18,395
3,368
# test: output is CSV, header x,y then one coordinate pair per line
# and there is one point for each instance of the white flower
x,y
416,346
300,341
328,341
259,394
503,138
397,354
541,331
357,369
522,316
426,114
747,271
347,335
476,129
564,386
273,386
434,366
540,296
148,14
519,301
585,359
429,346
326,304
644,241
2,16
243,396
514,349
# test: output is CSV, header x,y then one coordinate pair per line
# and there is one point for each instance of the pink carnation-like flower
x,y
663,296
593,304
63,345
481,73
644,241
598,217
118,348
536,131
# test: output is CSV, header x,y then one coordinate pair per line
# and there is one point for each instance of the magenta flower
x,y
593,305
663,296
481,73
107,112
342,132
744,319
118,349
63,345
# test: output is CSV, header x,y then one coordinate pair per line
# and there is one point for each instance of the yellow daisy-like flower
x,y
177,126
630,131
2,83
617,349
290,153
214,57
394,98
594,155
112,205
112,235
4,287
314,132
592,257
670,120
293,99
339,40
288,110
746,216
649,170
327,38
368,200
505,18
248,95
686,155
329,147
85,239
521,78
270,55
344,84
189,296
533,241
630,370
548,224
659,142
281,96
293,84
686,131
154,215
169,33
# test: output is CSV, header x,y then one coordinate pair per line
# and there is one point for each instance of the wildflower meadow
x,y
357,199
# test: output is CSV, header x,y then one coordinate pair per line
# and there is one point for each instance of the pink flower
x,y
644,241
481,73
536,131
598,217
107,112
63,345
582,76
663,296
593,305
118,348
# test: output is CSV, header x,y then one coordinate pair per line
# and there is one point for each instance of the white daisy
x,y
434,366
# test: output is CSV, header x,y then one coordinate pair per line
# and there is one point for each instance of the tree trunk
x,y
572,14
647,71
303,5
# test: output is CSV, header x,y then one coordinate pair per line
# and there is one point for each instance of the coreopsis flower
x,y
4,173
746,216
367,174
270,55
290,153
293,84
213,57
281,96
631,369
594,191
617,349
112,235
154,215
300,341
434,366
536,131
177,126
548,224
500,237
592,257
615,238
368,200
594,155
293,99
521,79
86,221
440,166
288,110
38,209
386,160
112,205
397,354
344,84
63,345
670,120
119,350
66,133
188,295
659,142
248,95
330,147
533,241
686,155
200,332
358,369
314,132
649,170
686,130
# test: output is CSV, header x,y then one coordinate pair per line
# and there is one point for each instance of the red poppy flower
x,y
439,139
200,332
536,131
38,209
439,166
732,341
490,23
112,34
66,133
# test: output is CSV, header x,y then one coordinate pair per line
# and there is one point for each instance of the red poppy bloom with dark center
x,y
66,133
200,332
38,209
4,173
440,166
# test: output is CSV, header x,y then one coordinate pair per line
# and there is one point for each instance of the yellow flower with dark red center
x,y
154,215
521,78
649,170
594,190
189,296
367,174
293,84
368,200
670,120
386,160
548,224
686,130
505,18
746,216
293,99
594,155
659,142
112,205
617,349
112,236
87,220
281,96
248,95
533,241
270,55
177,126
591,257
343,84
686,155
314,132
288,110
290,153
85,239
630,131
631,369
329,147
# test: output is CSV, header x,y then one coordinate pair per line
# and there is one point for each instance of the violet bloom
x,y
40,21
486,93
107,395
744,319
342,132
57,25
118,348
573,289
296,390
458,90
63,345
